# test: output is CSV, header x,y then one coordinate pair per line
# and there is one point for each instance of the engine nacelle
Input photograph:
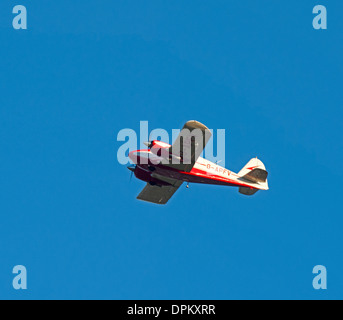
x,y
160,148
145,175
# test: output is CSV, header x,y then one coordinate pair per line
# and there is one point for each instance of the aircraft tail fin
x,y
254,171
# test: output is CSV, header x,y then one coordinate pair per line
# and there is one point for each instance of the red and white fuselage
x,y
150,168
165,167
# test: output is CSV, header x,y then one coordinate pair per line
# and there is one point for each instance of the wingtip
x,y
194,124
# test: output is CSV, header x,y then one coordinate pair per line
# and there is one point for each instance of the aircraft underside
x,y
154,174
165,167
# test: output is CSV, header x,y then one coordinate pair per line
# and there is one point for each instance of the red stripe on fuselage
x,y
195,175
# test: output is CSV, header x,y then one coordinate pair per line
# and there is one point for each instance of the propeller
x,y
132,168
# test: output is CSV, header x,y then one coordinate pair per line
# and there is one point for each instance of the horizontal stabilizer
x,y
247,191
256,175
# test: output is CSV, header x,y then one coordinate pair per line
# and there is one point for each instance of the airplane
x,y
165,167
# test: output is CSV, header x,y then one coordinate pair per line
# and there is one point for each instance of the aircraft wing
x,y
159,195
189,145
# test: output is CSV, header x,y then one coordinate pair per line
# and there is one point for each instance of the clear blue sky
x,y
86,69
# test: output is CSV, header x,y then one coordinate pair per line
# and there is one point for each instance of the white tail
x,y
255,172
254,163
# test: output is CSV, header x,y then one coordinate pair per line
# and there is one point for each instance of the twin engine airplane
x,y
165,167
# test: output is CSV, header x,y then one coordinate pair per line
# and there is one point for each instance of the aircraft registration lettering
x,y
217,169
